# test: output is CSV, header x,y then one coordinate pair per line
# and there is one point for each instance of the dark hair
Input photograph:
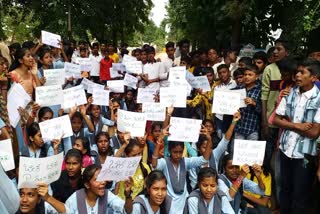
x,y
89,172
246,60
202,138
18,55
174,144
95,44
85,143
287,64
97,137
32,130
156,124
284,43
238,71
43,111
183,41
222,66
151,49
155,175
74,153
82,49
15,46
207,172
225,160
28,44
270,51
313,66
40,207
186,59
82,42
170,45
43,52
77,115
252,68
137,50
261,55
123,52
209,70
213,48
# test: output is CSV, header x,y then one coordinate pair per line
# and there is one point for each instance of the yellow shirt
x,y
138,183
267,183
114,57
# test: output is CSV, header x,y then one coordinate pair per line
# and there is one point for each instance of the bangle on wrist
x,y
154,157
239,180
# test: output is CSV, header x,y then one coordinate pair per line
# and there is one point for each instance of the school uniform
x,y
141,205
69,141
77,201
176,178
224,185
95,64
197,205
153,71
213,161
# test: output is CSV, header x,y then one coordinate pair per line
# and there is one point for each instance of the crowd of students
x,y
282,108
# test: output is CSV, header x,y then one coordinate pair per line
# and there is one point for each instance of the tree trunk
x,y
236,32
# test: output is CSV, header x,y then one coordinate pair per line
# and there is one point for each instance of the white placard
x,y
35,170
50,39
118,169
114,73
56,128
100,97
201,82
184,129
173,96
17,97
177,73
134,67
49,95
127,58
181,83
72,70
225,102
6,155
116,86
248,152
54,76
132,122
243,95
85,64
74,96
154,111
146,95
119,67
130,81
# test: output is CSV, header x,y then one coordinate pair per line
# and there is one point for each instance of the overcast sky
x,y
158,12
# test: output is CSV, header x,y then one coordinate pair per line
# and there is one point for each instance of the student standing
x,y
299,115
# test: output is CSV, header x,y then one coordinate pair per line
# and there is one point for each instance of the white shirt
x,y
289,148
95,64
153,71
167,63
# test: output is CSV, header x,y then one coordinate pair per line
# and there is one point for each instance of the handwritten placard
x,y
154,111
85,64
130,81
116,86
146,95
50,39
132,122
72,70
248,152
243,95
54,76
114,73
17,97
201,82
74,96
118,169
177,73
35,170
173,96
100,97
49,95
184,129
126,58
225,102
6,155
134,67
119,67
56,128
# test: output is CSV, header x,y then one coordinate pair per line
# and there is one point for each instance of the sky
x,y
158,11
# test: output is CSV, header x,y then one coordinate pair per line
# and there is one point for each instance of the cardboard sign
x,y
134,67
72,70
35,170
248,152
173,96
132,122
116,86
118,169
100,97
154,111
184,129
146,95
49,95
74,96
50,39
130,81
56,128
225,102
6,155
54,76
